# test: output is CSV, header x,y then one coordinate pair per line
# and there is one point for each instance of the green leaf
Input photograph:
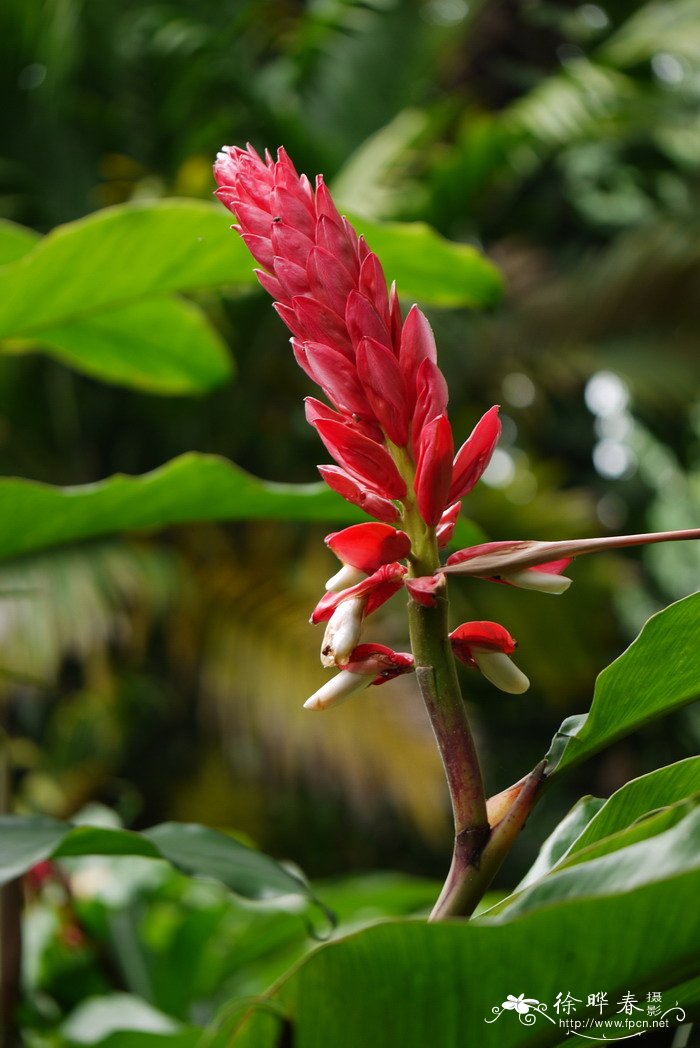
x,y
161,345
97,293
134,251
26,842
118,256
425,266
192,487
659,673
15,241
592,819
659,789
594,828
198,850
194,849
561,839
410,984
655,857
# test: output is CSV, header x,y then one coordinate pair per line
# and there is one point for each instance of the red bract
x,y
434,470
384,388
446,527
329,287
424,589
380,662
538,565
363,458
377,589
488,636
379,373
431,400
475,454
491,561
368,546
344,484
417,344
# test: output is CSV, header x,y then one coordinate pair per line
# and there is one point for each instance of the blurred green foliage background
x,y
164,675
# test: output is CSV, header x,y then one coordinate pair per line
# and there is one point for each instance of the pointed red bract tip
x,y
475,454
447,525
368,546
417,344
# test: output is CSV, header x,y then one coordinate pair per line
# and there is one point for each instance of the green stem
x,y
437,678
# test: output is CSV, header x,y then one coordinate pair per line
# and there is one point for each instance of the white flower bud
x,y
498,668
341,687
343,579
343,632
541,581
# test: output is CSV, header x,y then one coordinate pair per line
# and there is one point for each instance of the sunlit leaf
x,y
118,256
135,251
15,241
160,345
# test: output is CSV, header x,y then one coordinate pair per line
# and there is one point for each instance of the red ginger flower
x,y
362,549
368,664
486,646
378,372
375,589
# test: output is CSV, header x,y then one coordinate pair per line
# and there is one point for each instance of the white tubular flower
x,y
367,664
343,632
486,646
343,579
338,689
541,581
498,668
